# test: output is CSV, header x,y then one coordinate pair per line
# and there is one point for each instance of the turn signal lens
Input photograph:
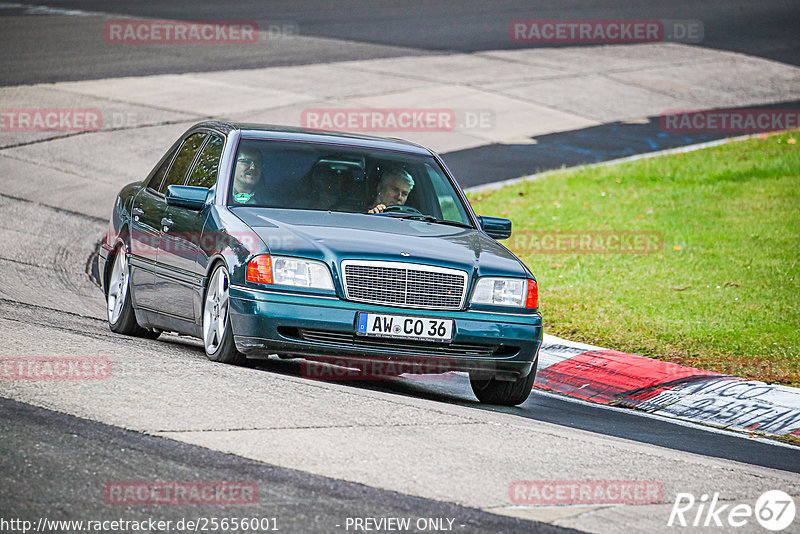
x,y
259,270
532,300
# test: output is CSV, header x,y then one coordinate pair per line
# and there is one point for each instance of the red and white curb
x,y
616,378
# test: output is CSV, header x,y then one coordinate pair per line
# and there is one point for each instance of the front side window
x,y
183,160
294,175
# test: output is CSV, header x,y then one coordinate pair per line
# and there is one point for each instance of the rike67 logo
x,y
774,510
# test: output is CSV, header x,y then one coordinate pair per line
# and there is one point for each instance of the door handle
x,y
166,222
138,211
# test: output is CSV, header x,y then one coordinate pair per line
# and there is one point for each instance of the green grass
x,y
723,293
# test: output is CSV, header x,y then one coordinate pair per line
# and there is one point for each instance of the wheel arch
x,y
213,262
119,242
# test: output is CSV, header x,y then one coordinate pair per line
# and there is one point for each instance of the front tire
x,y
504,393
121,317
217,331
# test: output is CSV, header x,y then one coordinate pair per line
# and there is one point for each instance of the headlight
x,y
285,271
517,292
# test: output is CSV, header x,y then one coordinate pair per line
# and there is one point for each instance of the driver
x,y
393,189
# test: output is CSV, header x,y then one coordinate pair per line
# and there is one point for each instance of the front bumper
x,y
503,344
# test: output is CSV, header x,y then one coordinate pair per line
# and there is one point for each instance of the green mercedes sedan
x,y
264,240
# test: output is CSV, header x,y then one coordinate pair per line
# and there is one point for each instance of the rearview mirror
x,y
187,196
496,227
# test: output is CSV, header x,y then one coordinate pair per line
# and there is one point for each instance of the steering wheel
x,y
401,209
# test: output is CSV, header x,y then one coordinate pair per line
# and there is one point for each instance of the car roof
x,y
289,133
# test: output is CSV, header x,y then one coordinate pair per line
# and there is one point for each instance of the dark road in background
x,y
67,42
496,162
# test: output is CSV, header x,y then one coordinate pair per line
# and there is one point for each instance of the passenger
x,y
246,176
393,189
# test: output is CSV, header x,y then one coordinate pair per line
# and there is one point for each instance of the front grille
x,y
411,348
407,285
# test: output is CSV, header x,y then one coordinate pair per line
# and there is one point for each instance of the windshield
x,y
294,175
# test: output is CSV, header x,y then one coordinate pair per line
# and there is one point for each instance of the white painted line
x,y
44,10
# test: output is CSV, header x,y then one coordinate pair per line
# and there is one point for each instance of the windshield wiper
x,y
432,219
422,217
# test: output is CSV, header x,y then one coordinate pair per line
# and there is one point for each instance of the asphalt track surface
x,y
58,461
55,463
43,46
617,422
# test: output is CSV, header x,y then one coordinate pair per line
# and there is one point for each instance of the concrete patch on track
x,y
71,468
95,165
518,94
49,111
43,251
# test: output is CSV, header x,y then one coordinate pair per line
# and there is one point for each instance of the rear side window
x,y
182,162
157,178
206,169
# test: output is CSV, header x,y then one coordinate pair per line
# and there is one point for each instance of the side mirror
x,y
496,227
187,196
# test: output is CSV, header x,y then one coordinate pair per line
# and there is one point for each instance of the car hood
x,y
333,237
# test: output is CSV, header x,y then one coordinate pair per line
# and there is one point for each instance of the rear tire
x,y
217,331
493,391
121,316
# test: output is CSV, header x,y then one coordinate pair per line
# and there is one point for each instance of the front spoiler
x,y
265,322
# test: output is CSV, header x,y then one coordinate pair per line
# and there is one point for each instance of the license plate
x,y
404,327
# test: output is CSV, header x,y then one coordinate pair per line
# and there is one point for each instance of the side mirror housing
x,y
187,196
496,227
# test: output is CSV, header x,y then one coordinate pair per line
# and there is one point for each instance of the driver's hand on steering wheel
x,y
378,209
